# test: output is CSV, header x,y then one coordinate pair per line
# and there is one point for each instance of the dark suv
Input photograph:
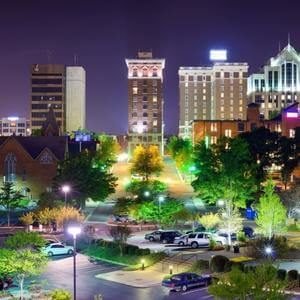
x,y
163,236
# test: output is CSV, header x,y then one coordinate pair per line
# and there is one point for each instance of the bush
x,y
281,274
292,275
218,263
60,294
212,244
131,249
241,237
200,265
256,247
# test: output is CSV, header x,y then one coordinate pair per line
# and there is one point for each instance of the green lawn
x,y
132,261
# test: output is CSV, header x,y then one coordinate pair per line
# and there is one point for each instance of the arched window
x,y
145,114
154,72
145,72
10,167
135,72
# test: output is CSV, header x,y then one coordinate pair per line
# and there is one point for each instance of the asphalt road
x,y
59,274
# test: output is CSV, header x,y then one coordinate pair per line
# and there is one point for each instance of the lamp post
x,y
161,199
66,189
74,230
269,252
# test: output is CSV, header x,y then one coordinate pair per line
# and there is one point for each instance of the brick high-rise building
x,y
145,101
218,92
62,88
278,84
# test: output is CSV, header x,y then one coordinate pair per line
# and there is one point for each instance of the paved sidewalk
x,y
137,279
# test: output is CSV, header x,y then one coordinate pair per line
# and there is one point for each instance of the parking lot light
x,y
170,269
143,264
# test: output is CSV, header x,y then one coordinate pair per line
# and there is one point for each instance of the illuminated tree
x,y
86,177
146,161
11,199
271,213
24,240
181,151
230,219
224,171
210,221
107,151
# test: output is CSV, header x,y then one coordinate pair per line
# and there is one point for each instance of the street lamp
x,y
268,251
146,193
161,199
74,230
66,189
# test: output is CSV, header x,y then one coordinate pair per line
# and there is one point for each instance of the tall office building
x,y
278,84
218,92
62,88
145,101
75,98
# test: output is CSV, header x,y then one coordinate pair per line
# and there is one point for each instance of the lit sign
x,y
218,54
292,115
13,118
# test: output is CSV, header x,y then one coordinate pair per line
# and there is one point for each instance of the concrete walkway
x,y
137,279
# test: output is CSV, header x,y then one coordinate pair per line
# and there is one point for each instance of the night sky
x,y
103,32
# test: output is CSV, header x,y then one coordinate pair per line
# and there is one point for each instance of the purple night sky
x,y
103,33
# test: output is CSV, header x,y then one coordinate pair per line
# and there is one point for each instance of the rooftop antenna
x,y
49,54
289,39
75,59
279,46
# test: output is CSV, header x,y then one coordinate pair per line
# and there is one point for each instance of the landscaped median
x,y
130,256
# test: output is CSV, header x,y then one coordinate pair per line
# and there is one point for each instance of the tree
x,y
290,199
260,283
286,158
230,219
271,213
49,200
181,151
27,219
107,152
86,178
224,171
24,240
210,221
154,187
146,161
21,264
263,146
11,199
120,234
165,213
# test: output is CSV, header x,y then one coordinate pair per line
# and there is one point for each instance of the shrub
x,y
256,247
281,274
144,251
200,265
212,244
60,294
292,275
241,237
218,262
131,249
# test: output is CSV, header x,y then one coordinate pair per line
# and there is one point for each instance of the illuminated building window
x,y
186,85
231,116
241,108
204,111
195,97
241,102
231,87
154,98
195,104
204,91
231,101
228,133
241,81
10,167
134,90
195,91
195,117
154,122
204,84
213,127
222,116
241,95
222,108
231,95
204,97
222,95
154,72
241,88
231,108
292,133
213,139
195,110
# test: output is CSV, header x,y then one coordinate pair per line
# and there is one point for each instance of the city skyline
x,y
101,36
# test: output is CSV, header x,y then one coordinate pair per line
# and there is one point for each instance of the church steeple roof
x,y
50,127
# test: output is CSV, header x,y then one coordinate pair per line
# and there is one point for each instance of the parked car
x,y
5,283
199,239
136,177
164,236
184,281
225,235
57,249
